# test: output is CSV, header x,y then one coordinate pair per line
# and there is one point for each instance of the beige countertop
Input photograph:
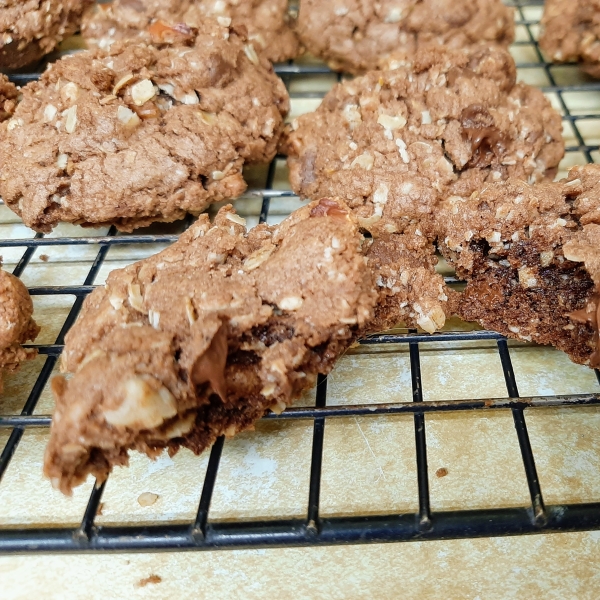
x,y
368,463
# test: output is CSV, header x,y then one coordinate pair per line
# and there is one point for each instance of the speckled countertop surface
x,y
368,463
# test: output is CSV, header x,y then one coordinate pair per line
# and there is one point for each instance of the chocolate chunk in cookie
x,y
267,22
16,324
530,257
203,338
139,133
570,32
354,35
29,29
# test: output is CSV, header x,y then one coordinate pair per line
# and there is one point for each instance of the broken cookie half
x,y
203,338
531,258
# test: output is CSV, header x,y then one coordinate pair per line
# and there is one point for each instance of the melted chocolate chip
x,y
328,208
590,315
487,142
210,367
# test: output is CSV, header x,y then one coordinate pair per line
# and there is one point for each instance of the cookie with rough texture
x,y
570,31
392,143
30,29
16,324
410,291
267,21
9,95
139,133
531,259
355,35
202,339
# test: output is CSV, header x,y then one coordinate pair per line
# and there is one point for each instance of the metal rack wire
x,y
313,529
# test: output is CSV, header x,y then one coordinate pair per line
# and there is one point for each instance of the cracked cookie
x,y
448,122
16,324
138,133
531,259
392,143
570,32
354,35
202,339
267,21
30,29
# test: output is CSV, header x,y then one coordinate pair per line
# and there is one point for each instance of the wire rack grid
x,y
425,523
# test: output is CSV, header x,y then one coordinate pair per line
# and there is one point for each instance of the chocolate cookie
x,y
392,143
355,35
138,134
16,324
530,257
267,21
570,31
29,29
203,338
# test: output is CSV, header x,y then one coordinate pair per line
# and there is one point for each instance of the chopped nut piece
x,y
69,92
143,91
50,112
527,277
62,160
388,122
127,117
143,406
291,303
13,123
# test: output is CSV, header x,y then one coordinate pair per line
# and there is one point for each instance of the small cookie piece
x,y
8,97
16,324
267,22
202,339
570,32
410,290
530,257
30,29
139,134
356,36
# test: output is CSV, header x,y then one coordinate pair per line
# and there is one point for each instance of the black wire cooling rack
x,y
313,529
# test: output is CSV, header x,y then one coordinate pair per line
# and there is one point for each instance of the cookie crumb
x,y
147,499
44,257
150,579
100,510
442,472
